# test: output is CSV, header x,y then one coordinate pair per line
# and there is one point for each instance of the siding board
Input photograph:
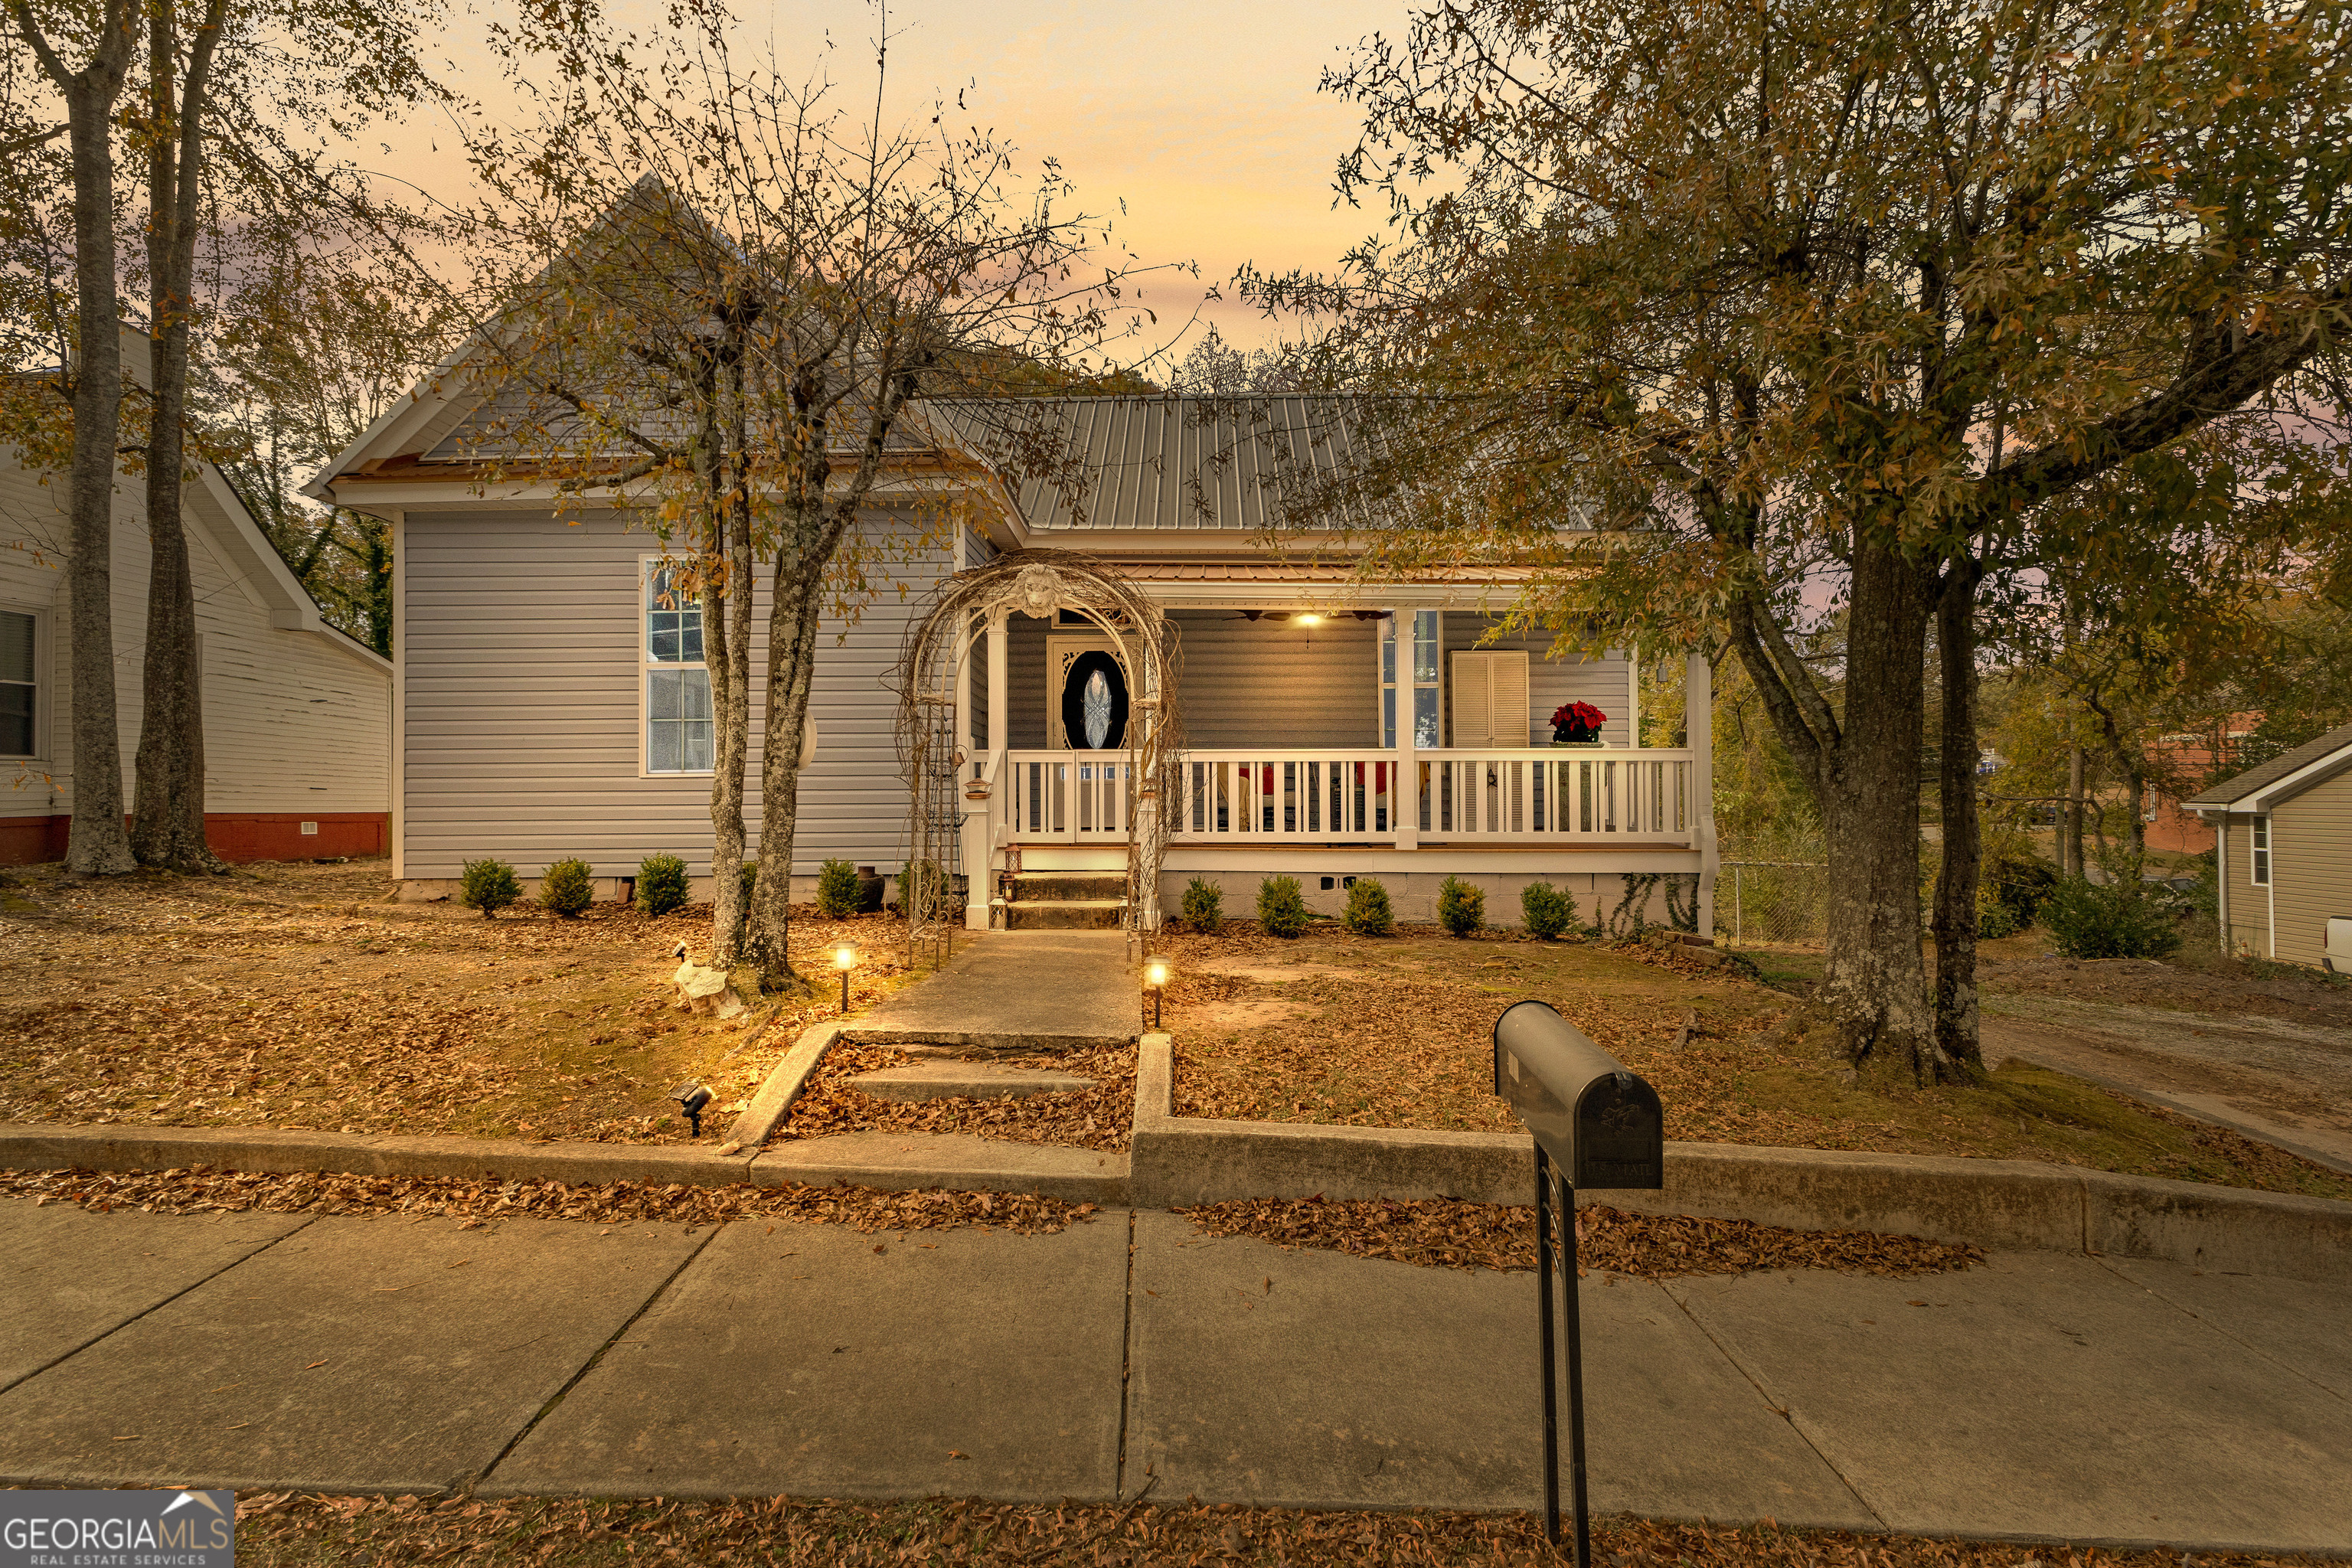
x,y
521,727
2311,850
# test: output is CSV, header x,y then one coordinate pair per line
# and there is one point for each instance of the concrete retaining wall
x,y
1177,1161
2000,1204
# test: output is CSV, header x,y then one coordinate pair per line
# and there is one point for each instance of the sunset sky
x,y
1204,119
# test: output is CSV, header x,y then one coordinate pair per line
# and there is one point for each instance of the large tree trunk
x,y
1875,982
98,844
1956,883
792,664
727,651
168,831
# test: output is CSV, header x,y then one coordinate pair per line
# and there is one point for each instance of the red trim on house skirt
x,y
234,836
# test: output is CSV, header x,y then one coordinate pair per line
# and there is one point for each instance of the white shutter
x,y
1507,718
1473,703
1490,698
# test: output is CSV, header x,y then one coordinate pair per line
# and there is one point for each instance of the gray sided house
x,y
2283,844
549,703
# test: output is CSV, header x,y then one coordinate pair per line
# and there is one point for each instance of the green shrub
x,y
1546,910
488,886
1204,905
661,884
2125,919
2018,883
1461,908
750,879
1995,919
836,890
1368,909
567,888
1282,907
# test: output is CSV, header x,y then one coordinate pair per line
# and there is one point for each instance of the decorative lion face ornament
x,y
1038,591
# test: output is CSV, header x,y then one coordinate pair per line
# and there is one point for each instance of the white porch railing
x,y
1070,797
1549,793
1259,796
1530,795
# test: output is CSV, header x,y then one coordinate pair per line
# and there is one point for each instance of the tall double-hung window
x,y
1409,676
677,681
2261,856
20,689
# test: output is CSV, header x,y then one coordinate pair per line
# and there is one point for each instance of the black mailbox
x,y
1601,1125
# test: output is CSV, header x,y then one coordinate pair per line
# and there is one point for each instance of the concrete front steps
x,y
960,1079
1067,901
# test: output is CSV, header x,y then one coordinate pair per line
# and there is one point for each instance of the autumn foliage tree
x,y
722,299
1854,306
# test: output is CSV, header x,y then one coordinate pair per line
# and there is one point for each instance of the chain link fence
x,y
1773,892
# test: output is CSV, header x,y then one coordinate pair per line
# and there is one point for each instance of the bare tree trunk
x,y
168,831
792,664
2070,845
1875,982
2133,765
98,844
1957,1016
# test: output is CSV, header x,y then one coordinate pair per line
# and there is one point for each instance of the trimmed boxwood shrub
x,y
836,890
1204,905
567,888
1547,910
661,884
1368,909
488,886
1461,908
1282,907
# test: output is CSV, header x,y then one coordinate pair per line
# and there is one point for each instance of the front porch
x,y
1323,744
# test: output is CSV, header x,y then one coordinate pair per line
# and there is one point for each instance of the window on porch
x,y
1419,690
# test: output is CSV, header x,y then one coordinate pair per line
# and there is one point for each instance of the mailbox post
x,y
1596,1126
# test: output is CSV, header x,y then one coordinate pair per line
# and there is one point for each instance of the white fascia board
x,y
259,572
2317,771
432,396
1335,598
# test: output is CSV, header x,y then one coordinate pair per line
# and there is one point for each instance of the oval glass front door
x,y
1096,703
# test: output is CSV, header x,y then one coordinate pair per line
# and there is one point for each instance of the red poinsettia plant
x,y
1578,716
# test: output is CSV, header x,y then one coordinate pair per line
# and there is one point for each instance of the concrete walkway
x,y
2287,1084
1013,992
2042,1395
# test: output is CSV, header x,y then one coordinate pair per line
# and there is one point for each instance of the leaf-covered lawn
x,y
303,996
1396,1032
306,1530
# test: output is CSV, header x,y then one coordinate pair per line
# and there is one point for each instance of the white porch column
x,y
981,826
1698,733
1148,806
1404,814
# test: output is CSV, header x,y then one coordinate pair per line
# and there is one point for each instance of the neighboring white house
x,y
550,703
297,714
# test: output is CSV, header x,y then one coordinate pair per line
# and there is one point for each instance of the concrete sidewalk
x,y
1012,993
2041,1395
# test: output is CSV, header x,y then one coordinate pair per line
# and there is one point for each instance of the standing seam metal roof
x,y
1217,463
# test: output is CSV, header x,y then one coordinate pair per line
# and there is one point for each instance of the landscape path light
x,y
1155,980
691,1098
845,958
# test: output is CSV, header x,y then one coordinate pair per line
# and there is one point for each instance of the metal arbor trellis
x,y
1038,583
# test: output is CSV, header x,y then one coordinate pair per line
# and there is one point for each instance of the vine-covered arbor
x,y
951,778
